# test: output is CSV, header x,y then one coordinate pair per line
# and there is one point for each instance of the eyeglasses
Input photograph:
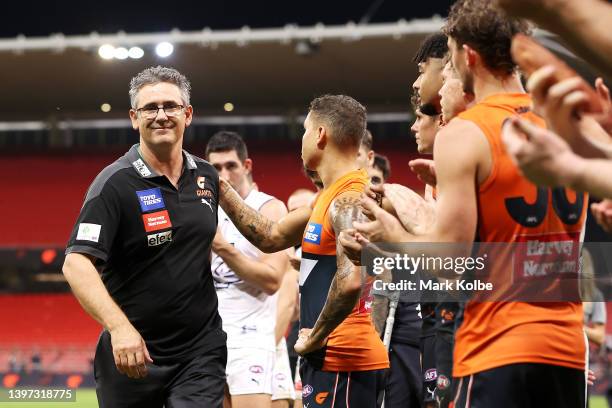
x,y
150,112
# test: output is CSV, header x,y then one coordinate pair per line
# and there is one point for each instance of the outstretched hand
x,y
383,227
424,170
543,157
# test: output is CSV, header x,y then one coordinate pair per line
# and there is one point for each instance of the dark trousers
x,y
524,385
404,386
198,382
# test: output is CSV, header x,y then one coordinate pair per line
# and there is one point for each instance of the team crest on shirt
x,y
313,233
200,181
202,191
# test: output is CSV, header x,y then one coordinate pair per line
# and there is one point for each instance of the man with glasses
x,y
138,260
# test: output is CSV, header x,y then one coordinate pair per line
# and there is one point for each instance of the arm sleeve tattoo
x,y
340,302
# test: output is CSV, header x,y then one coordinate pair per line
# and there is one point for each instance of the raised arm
x,y
265,273
583,24
346,285
266,234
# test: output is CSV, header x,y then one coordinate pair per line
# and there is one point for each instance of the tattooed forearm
x,y
380,310
345,288
380,304
254,226
340,301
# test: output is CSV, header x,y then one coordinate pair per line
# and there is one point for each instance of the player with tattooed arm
x,y
344,358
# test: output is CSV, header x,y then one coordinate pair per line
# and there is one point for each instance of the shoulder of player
x,y
343,205
204,167
200,162
274,209
459,137
112,175
459,127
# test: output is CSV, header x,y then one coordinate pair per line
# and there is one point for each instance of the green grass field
x,y
598,402
86,398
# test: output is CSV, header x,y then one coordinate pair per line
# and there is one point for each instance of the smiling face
x,y
161,130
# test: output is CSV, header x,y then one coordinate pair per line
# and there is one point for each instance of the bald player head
x,y
299,198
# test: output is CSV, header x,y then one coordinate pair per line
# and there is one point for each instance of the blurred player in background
x,y
381,169
246,281
365,155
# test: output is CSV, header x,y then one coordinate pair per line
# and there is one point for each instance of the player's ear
x,y
248,164
470,55
188,115
134,119
322,136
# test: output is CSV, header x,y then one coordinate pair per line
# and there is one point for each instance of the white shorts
x,y
282,383
249,371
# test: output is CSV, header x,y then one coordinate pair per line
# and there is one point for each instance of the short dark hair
x,y
155,75
429,109
345,116
486,28
433,46
225,141
382,163
367,141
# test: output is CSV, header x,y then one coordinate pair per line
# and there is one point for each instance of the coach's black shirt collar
x,y
145,171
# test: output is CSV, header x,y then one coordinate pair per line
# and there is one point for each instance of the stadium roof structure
x,y
264,73
260,71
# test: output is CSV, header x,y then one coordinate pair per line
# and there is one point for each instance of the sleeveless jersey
x,y
512,209
248,314
354,344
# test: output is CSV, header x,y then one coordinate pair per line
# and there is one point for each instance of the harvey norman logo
x,y
159,238
156,221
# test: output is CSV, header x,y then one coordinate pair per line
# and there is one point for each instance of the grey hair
x,y
155,75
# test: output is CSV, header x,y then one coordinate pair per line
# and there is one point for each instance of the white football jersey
x,y
249,315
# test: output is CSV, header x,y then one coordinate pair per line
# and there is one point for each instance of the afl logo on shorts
x,y
280,376
256,369
307,390
200,181
431,374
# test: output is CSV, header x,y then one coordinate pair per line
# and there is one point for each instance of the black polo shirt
x,y
152,243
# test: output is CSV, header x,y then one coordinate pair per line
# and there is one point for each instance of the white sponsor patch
x,y
88,232
142,168
160,238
